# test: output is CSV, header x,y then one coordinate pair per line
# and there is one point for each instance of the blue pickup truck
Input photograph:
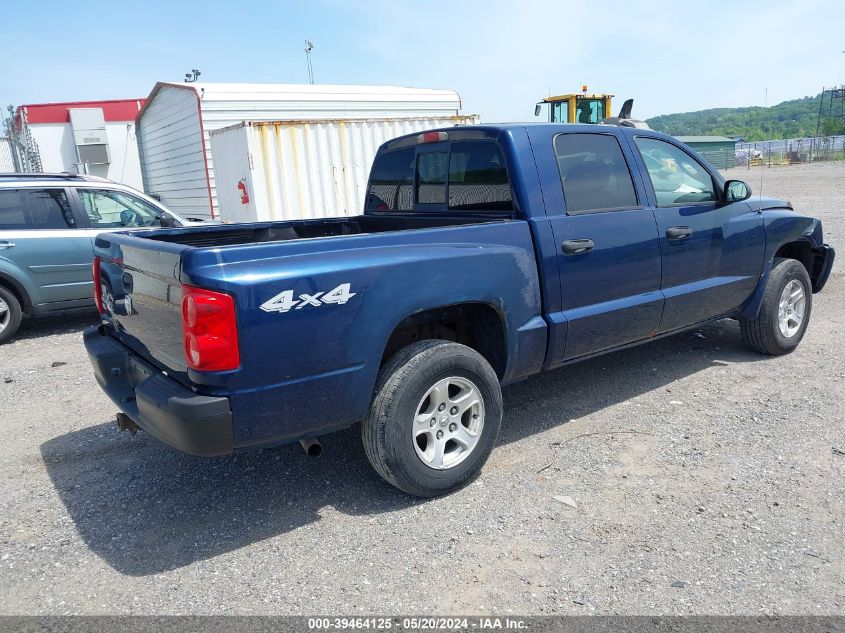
x,y
484,255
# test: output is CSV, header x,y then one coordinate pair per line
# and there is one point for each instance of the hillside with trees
x,y
790,119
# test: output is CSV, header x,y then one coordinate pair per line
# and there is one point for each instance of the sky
x,y
501,57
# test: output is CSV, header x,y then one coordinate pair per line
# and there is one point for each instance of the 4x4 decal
x,y
284,301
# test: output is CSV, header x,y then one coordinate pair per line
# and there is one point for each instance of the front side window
x,y
677,178
115,209
594,174
35,209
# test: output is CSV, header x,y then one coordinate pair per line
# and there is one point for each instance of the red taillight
x,y
98,287
210,330
432,137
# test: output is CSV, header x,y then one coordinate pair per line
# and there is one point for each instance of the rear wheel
x,y
434,418
10,314
784,312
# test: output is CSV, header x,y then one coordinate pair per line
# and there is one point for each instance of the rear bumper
x,y
164,408
823,263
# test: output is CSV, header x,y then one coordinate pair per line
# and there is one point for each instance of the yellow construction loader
x,y
585,107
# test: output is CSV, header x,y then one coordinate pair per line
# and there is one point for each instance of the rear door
x,y
712,252
608,257
42,246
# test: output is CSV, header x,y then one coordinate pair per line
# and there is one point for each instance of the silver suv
x,y
48,223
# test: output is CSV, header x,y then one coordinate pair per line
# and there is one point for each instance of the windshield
x,y
589,110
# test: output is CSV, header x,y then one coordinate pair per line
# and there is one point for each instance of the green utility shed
x,y
720,151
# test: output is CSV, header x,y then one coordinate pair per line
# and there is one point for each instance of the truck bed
x,y
255,233
292,359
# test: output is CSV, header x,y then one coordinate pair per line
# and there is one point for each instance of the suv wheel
x,y
434,418
10,314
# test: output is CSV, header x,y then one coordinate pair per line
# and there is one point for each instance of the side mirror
x,y
537,109
736,190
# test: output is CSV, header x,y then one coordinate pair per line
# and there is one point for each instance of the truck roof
x,y
493,129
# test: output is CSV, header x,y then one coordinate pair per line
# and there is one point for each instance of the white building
x,y
94,137
174,126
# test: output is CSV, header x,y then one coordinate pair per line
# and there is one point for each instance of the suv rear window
x,y
35,209
464,175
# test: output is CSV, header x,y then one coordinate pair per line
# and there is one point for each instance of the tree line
x,y
791,119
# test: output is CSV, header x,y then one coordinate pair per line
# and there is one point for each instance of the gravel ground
x,y
704,477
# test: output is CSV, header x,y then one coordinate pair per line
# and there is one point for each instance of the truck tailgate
x,y
142,297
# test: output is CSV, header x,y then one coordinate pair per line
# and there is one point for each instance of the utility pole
x,y
308,48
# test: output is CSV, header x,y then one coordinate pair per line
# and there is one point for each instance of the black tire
x,y
763,333
11,318
403,383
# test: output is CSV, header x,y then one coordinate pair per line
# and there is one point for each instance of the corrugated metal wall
x,y
720,155
296,170
722,158
171,150
223,105
234,163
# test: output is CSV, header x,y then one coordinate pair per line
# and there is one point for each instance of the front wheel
x,y
784,311
434,418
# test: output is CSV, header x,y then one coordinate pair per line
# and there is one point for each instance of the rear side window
x,y
594,174
392,181
35,209
460,176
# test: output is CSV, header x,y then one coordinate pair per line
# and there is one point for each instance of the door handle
x,y
574,247
678,232
4,244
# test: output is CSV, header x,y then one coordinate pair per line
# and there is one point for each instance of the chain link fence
x,y
791,151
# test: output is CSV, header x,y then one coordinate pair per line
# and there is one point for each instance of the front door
x,y
712,252
608,257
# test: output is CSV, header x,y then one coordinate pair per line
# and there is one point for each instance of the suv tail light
x,y
98,285
210,330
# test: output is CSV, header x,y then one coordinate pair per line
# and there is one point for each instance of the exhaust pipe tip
x,y
311,446
125,423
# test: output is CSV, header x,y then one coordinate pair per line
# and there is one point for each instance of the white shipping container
x,y
287,170
175,124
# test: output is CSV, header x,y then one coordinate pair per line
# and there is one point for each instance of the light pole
x,y
308,48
